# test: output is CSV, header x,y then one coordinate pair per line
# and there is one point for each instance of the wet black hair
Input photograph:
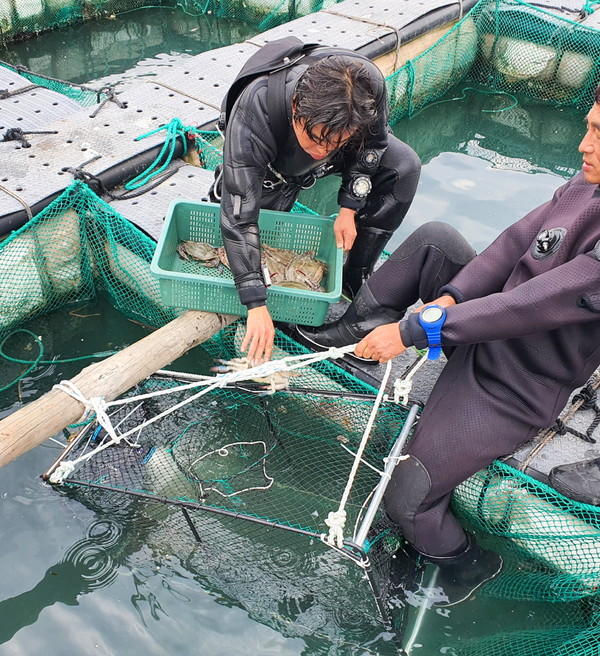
x,y
338,95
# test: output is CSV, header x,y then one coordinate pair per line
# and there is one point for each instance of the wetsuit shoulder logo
x,y
547,242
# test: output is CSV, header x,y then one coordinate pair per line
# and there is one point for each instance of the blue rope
x,y
38,359
174,130
588,7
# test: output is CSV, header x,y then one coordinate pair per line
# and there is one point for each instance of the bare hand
x,y
383,343
344,228
260,334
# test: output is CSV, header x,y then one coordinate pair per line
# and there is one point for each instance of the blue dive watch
x,y
432,319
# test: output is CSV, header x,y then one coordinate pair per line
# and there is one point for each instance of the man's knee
x,y
406,493
438,235
400,157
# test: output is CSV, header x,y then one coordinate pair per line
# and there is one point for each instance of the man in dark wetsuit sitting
x,y
520,325
337,118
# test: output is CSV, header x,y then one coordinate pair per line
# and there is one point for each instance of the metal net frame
x,y
276,460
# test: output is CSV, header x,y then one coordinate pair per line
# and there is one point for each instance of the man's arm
x,y
368,156
249,147
488,272
501,296
565,295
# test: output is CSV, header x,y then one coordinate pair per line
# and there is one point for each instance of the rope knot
x,y
16,134
336,520
110,95
402,388
61,472
560,427
587,396
336,352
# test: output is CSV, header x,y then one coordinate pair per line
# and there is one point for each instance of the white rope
x,y
403,386
99,406
336,520
223,452
364,462
381,473
95,404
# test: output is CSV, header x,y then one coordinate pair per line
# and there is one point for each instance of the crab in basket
x,y
279,380
290,269
286,268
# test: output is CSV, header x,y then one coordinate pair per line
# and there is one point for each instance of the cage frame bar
x,y
390,465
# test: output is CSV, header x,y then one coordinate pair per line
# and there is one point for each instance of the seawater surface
x,y
81,575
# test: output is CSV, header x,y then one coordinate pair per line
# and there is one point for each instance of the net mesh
x,y
528,517
30,17
278,461
84,95
508,47
284,580
70,250
227,448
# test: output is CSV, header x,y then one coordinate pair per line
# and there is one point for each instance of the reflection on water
x,y
147,40
88,565
296,587
508,133
482,169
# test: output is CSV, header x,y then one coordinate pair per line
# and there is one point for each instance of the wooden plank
x,y
55,410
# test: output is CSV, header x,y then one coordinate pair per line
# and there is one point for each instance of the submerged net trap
x,y
225,446
311,460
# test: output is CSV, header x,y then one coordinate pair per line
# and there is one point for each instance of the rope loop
x,y
91,180
175,129
110,95
403,386
94,405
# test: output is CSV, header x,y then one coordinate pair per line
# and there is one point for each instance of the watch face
x,y
361,186
431,314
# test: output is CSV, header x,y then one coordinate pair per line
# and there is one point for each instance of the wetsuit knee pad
x,y
409,487
439,235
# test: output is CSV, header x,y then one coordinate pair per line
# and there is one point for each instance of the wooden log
x,y
55,410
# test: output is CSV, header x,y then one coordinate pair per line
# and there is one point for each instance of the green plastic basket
x,y
188,284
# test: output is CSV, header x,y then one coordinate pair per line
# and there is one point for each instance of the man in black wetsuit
x,y
337,123
520,325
